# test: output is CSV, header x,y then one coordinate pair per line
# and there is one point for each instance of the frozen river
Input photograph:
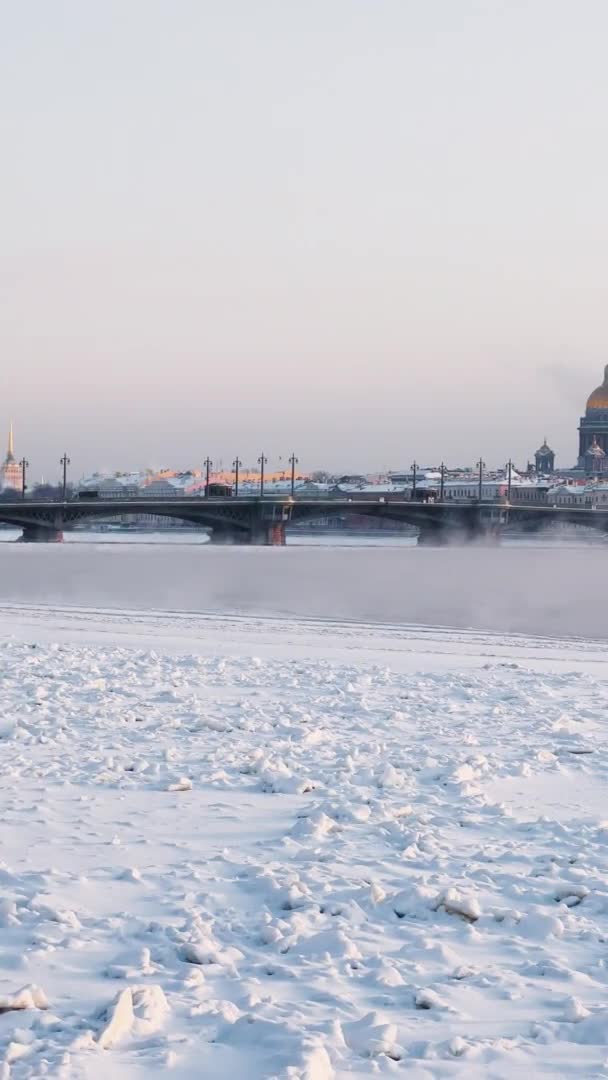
x,y
255,821
305,848
533,589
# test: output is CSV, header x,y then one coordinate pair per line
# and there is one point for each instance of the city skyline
x,y
276,465
364,231
591,458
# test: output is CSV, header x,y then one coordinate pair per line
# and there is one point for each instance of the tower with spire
x,y
10,471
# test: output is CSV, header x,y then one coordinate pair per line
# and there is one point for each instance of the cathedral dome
x,y
599,398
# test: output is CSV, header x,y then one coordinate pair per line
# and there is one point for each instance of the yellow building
x,y
10,472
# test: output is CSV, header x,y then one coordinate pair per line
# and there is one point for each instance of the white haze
x,y
534,590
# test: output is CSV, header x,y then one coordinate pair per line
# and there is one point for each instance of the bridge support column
x,y
41,534
225,536
480,530
433,536
276,535
272,535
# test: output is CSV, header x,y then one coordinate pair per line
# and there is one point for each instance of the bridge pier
x,y
224,536
41,534
432,534
260,535
272,535
431,538
482,531
276,535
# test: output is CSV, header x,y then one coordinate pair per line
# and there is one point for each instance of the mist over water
x,y
537,589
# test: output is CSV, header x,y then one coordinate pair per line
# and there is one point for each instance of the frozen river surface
x,y
256,822
300,850
545,590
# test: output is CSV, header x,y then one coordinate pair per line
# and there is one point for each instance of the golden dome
x,y
599,398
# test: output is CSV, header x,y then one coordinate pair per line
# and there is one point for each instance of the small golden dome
x,y
599,398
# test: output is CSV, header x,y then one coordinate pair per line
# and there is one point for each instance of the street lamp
x,y
24,465
442,472
509,478
207,463
65,461
414,475
480,466
236,465
262,461
293,461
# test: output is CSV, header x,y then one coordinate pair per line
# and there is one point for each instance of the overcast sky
x,y
369,230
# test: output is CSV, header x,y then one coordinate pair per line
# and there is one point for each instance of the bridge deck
x,y
256,519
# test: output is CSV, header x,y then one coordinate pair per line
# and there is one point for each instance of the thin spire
x,y
11,448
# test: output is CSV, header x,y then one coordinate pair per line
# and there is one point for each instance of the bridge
x,y
251,519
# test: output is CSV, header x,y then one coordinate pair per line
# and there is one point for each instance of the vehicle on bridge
x,y
218,491
425,495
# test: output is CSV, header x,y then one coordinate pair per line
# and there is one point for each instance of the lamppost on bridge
x,y
481,466
509,479
207,463
262,461
24,465
236,465
293,461
65,461
414,475
442,472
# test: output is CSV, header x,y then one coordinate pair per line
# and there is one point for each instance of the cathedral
x,y
593,431
592,440
10,471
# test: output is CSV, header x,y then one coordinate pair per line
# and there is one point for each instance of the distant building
x,y
593,431
568,495
352,481
113,488
530,492
10,472
544,459
588,495
160,489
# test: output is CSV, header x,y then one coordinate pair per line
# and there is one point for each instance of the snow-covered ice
x,y
299,848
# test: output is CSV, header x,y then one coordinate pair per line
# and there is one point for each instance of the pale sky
x,y
366,230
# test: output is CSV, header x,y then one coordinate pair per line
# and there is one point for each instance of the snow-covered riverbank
x,y
285,847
